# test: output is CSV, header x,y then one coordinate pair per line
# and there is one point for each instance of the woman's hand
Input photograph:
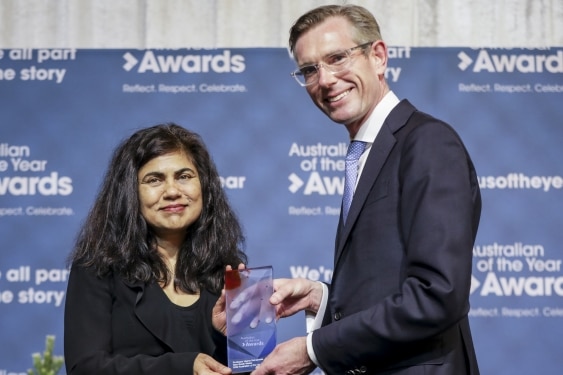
x,y
219,314
206,365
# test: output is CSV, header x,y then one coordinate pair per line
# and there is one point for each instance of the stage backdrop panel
x,y
63,112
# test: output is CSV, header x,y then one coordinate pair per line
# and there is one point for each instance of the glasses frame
x,y
299,72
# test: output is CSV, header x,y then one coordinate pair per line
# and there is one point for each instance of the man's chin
x,y
336,116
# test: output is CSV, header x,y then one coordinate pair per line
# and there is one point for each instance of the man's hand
x,y
206,365
293,295
288,358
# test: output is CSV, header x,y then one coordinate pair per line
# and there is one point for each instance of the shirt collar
x,y
370,129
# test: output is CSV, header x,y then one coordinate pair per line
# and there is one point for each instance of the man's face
x,y
347,97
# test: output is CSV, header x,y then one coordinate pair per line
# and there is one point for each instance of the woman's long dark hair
x,y
115,237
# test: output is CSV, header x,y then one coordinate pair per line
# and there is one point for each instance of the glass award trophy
x,y
251,319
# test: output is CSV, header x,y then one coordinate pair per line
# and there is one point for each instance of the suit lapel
x,y
380,150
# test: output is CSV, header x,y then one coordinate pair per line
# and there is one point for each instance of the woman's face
x,y
170,194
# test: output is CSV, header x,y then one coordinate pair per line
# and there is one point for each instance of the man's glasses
x,y
336,63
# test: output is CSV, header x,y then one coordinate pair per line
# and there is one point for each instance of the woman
x,y
148,263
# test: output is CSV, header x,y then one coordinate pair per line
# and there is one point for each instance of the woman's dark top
x,y
116,327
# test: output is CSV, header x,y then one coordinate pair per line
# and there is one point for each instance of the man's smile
x,y
338,97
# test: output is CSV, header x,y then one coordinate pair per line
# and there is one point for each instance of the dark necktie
x,y
355,150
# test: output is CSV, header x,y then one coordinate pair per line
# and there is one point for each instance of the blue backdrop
x,y
63,111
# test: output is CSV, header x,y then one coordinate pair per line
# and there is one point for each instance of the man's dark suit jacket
x,y
399,296
115,327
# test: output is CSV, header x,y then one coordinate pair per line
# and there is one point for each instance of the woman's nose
x,y
171,189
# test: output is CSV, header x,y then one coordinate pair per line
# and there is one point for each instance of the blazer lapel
x,y
156,318
380,150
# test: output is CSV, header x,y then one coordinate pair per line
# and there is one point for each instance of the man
x,y
399,296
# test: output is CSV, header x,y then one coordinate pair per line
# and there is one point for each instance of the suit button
x,y
337,315
363,369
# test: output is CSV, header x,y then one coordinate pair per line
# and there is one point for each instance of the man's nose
x,y
326,77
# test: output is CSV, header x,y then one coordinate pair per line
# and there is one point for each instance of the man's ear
x,y
379,52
